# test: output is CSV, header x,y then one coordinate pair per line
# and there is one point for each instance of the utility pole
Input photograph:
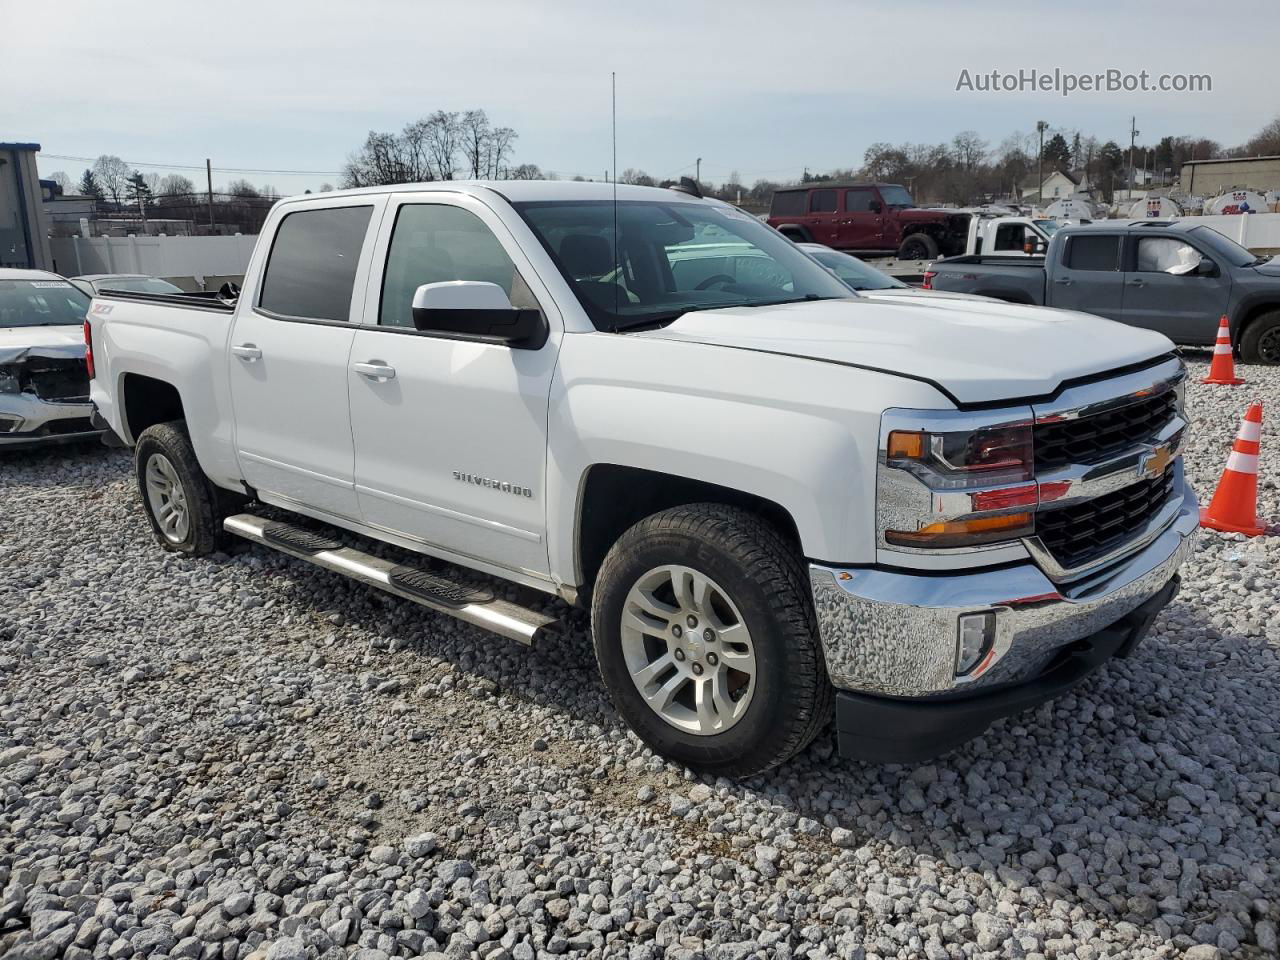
x,y
697,174
1041,127
208,172
1133,138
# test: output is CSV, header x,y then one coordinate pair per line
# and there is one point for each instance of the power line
x,y
190,166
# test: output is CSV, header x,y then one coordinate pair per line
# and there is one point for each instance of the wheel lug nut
x,y
677,631
708,635
679,654
712,659
697,669
692,621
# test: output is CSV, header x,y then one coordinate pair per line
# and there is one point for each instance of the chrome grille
x,y
1078,534
1095,438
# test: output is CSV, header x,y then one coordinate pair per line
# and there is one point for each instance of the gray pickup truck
x,y
1175,277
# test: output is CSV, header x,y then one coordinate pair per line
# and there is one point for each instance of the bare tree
x,y
112,175
242,188
526,171
476,136
440,135
970,150
637,177
63,181
174,185
501,143
326,188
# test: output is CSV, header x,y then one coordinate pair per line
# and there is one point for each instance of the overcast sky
x,y
763,88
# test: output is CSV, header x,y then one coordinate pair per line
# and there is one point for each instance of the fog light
x,y
976,633
9,424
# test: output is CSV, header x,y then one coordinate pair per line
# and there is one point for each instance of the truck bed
x,y
202,300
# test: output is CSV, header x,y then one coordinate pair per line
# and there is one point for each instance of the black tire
x,y
206,505
764,576
1260,342
918,246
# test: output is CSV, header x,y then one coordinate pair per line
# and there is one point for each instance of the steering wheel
x,y
718,278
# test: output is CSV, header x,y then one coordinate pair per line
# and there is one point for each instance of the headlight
x,y
972,487
9,379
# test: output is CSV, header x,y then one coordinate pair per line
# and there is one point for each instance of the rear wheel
x,y
704,628
918,246
1260,342
185,510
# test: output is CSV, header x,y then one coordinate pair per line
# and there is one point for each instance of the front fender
x,y
800,433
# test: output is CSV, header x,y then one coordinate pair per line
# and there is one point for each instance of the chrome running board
x,y
471,603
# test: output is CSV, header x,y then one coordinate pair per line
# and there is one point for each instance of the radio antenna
x,y
617,257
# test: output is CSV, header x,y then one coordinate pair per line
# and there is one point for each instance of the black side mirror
x,y
475,310
875,206
1206,268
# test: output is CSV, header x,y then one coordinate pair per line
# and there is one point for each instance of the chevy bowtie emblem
x,y
1156,462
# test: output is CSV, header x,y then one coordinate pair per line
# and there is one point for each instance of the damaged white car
x,y
44,383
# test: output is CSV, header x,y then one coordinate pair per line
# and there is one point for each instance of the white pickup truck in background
x,y
774,495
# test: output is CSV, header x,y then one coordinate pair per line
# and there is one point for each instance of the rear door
x,y
824,216
862,225
1088,276
288,355
451,446
1164,292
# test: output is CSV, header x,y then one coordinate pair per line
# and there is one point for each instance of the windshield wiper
x,y
808,297
657,319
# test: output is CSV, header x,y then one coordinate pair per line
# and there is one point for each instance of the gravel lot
x,y
240,756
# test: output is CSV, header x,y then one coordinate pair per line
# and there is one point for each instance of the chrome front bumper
x,y
892,633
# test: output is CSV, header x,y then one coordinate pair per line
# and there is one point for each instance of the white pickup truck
x,y
775,496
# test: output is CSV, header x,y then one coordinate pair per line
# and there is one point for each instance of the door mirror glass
x,y
476,310
1206,268
875,206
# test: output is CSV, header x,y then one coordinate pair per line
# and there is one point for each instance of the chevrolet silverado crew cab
x,y
777,498
1174,277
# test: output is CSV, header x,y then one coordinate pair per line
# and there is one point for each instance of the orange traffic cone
x,y
1233,508
1222,370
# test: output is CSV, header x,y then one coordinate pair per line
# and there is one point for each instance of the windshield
x,y
141,284
1235,254
853,272
1048,227
41,303
671,258
896,196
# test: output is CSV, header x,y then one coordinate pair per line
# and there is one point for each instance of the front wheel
x,y
1261,340
918,246
705,633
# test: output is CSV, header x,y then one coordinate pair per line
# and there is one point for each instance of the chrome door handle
x,y
375,370
1137,283
1065,281
247,351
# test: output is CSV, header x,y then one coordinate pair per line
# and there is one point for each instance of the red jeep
x,y
878,217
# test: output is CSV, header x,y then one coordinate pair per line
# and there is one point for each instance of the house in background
x,y
1058,185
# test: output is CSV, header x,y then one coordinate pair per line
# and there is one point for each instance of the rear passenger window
x,y
789,203
1093,253
312,268
822,201
435,243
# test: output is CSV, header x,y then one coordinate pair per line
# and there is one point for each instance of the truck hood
x,y
1269,269
18,343
897,293
976,351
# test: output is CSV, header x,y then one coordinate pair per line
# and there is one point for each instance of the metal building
x,y
24,234
1208,178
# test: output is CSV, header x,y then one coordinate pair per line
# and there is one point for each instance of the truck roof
x,y
1180,225
833,185
519,191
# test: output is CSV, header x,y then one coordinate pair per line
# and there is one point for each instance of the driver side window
x,y
434,243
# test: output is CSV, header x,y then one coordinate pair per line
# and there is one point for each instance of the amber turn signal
x,y
965,533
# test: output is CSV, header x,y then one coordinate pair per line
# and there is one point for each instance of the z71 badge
x,y
500,485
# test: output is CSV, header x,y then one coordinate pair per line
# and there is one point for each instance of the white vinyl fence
x,y
174,258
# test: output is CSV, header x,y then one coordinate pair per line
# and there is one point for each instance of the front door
x,y
1089,277
1164,291
451,434
862,225
288,357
